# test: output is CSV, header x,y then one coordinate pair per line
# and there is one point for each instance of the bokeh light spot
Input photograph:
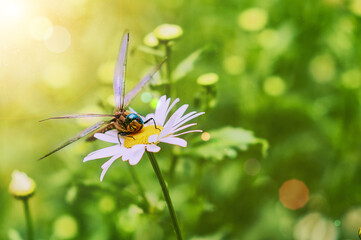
x,y
106,204
337,223
127,220
351,79
65,227
252,167
153,103
206,136
58,39
268,38
351,222
293,194
355,7
146,97
39,27
322,68
314,226
274,86
234,65
253,19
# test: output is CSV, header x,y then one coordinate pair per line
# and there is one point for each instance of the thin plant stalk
x,y
29,223
207,98
168,54
166,194
140,188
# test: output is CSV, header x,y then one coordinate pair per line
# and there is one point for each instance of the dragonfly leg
x,y
119,138
155,125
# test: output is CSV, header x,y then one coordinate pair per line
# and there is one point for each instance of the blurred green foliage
x,y
289,72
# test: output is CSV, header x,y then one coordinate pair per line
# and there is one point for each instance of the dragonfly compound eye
x,y
134,122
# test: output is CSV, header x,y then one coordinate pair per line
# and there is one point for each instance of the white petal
x,y
187,115
175,141
153,148
182,128
112,132
108,137
171,106
107,164
184,120
186,132
153,138
127,153
130,152
173,120
137,155
104,152
161,109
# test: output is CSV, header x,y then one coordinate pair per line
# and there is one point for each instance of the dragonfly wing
x,y
77,137
119,74
78,116
141,84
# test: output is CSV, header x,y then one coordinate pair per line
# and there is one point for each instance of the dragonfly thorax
x,y
128,123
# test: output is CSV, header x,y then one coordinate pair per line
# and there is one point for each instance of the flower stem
x,y
173,164
166,194
140,188
168,51
29,223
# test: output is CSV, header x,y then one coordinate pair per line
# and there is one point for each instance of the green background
x,y
290,73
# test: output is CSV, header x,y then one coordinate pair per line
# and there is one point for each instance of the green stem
x,y
208,98
168,51
166,194
173,164
29,224
140,188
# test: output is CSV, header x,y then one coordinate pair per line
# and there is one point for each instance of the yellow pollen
x,y
142,136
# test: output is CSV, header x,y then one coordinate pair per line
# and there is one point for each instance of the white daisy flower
x,y
133,146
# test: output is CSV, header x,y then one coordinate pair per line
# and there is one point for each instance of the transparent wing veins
x,y
119,74
141,84
85,115
77,137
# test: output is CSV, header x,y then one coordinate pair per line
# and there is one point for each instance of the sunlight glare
x,y
39,27
11,10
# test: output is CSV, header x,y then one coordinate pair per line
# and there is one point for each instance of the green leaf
x,y
187,65
225,142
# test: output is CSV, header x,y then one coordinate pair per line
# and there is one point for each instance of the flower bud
x,y
207,79
21,186
167,32
151,40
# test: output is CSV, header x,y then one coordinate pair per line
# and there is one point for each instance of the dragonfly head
x,y
133,122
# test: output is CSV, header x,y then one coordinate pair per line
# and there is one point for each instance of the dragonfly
x,y
123,121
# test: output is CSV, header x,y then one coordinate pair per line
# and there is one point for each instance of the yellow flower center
x,y
142,136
